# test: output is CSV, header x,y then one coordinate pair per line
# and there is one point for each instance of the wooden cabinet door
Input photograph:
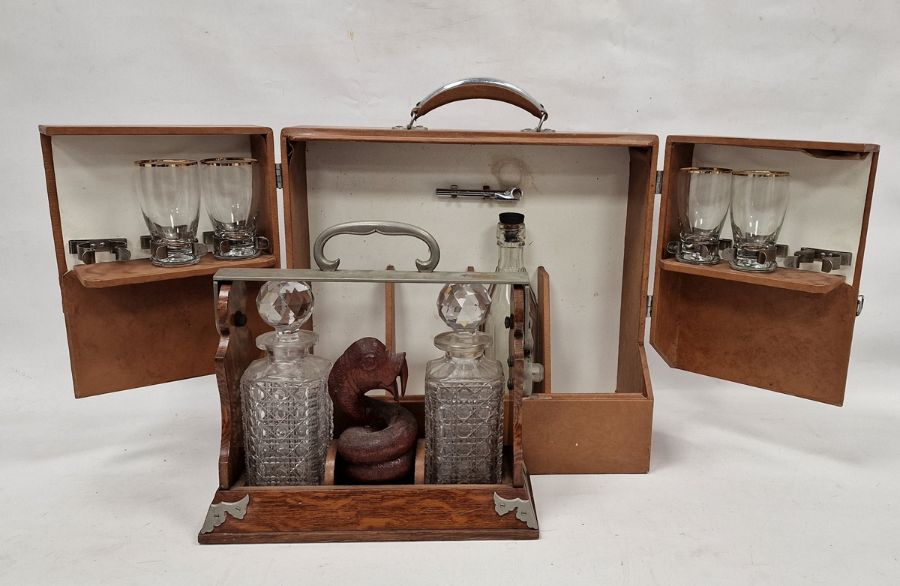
x,y
787,331
130,324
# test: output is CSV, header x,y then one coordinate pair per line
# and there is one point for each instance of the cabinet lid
x,y
789,330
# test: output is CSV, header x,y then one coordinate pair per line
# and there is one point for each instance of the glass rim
x,y
165,162
229,161
762,173
706,170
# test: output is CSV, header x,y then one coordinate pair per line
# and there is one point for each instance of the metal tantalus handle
x,y
385,227
483,88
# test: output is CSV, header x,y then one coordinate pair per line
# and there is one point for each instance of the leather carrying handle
x,y
479,88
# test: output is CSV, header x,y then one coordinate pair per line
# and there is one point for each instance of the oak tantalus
x,y
380,444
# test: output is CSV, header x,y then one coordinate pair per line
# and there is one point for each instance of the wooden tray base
x,y
399,512
369,513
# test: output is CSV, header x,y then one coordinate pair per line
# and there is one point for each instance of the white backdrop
x,y
746,486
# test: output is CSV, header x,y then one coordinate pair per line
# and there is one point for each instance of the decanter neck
x,y
465,355
283,347
462,345
286,353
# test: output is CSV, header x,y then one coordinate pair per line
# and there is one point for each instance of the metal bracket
x,y
86,249
217,513
511,194
831,259
649,305
659,182
279,180
524,508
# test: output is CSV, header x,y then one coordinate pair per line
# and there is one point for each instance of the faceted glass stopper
x,y
464,306
285,305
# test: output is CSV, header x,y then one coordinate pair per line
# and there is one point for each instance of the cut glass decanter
x,y
287,413
463,395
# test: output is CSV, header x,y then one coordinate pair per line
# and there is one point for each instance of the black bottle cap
x,y
512,218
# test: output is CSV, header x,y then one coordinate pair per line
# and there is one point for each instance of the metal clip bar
x,y
86,249
831,259
511,194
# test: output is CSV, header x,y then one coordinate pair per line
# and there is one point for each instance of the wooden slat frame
x,y
344,512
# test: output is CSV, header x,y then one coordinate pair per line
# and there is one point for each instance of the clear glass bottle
x,y
463,395
511,258
287,413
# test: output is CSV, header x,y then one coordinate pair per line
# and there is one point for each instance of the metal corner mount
x,y
217,513
524,508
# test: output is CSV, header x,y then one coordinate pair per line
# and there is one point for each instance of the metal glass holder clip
x,y
831,259
674,246
198,249
209,238
87,249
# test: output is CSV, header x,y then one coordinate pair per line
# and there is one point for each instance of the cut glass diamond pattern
x,y
464,306
464,432
285,305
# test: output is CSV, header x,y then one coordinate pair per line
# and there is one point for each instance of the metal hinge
x,y
649,305
659,182
279,182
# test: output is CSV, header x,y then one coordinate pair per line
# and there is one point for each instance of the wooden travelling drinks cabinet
x,y
698,312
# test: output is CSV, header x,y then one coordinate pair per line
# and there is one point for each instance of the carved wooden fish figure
x,y
380,447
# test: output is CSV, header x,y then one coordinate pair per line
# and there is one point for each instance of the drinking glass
x,y
169,194
757,213
231,202
703,195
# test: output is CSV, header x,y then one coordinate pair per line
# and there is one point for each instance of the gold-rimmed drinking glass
x,y
703,197
169,195
227,184
758,208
